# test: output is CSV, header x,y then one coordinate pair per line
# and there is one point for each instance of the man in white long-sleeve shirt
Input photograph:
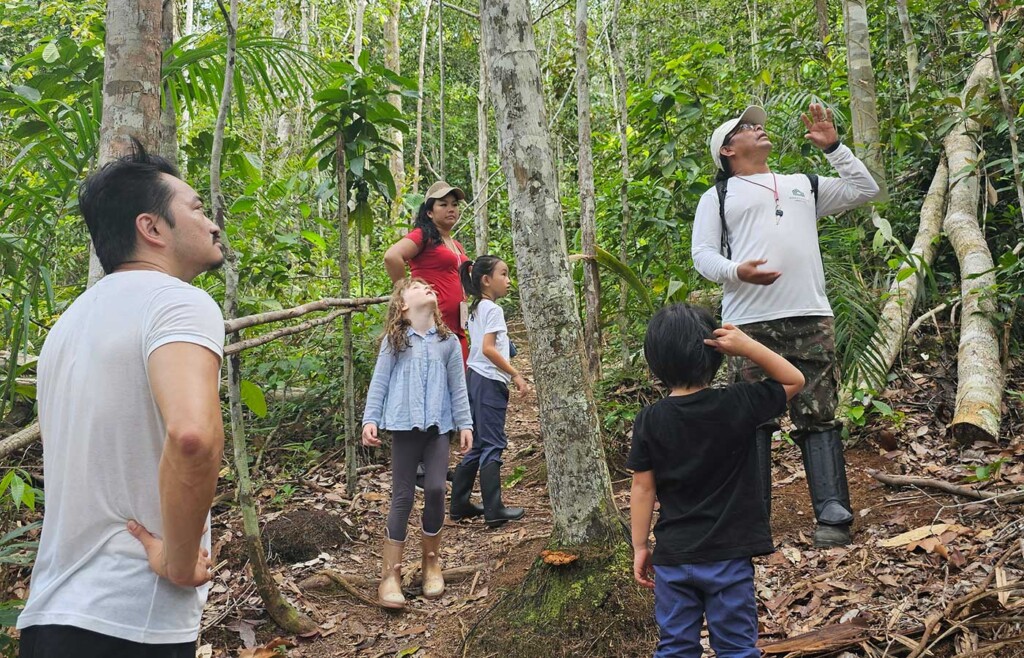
x,y
756,233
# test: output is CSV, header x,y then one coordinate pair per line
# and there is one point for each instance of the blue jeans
x,y
723,592
488,401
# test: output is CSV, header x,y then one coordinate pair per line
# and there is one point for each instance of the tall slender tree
x,y
393,61
131,83
863,99
588,222
578,480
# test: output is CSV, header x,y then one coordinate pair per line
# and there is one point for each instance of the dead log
x,y
231,326
19,439
906,283
1006,497
980,373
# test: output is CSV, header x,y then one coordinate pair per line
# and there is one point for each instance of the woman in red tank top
x,y
434,255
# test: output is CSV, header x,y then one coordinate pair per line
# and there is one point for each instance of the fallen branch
x,y
1008,497
925,317
357,303
327,577
263,339
19,439
829,638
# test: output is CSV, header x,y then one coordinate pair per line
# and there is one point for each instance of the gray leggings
x,y
407,450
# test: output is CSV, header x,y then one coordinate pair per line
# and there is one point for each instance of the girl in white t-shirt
x,y
488,374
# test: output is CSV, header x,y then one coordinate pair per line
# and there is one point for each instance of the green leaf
x,y
882,407
626,273
17,491
315,239
252,397
356,165
242,204
27,92
51,53
408,651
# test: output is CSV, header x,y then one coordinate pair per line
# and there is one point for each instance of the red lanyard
x,y
774,190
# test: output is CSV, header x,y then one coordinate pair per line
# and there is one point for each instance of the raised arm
x,y
855,185
397,256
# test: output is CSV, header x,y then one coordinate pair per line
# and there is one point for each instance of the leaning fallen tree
x,y
30,434
979,369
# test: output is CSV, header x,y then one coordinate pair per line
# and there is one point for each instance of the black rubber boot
x,y
495,513
763,452
825,467
462,487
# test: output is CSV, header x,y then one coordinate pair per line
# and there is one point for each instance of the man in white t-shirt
x,y
756,233
130,416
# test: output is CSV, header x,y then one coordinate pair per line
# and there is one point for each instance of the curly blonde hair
x,y
396,326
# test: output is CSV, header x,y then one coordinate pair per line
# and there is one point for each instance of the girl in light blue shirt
x,y
418,392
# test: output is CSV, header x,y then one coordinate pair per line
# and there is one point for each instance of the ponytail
x,y
472,272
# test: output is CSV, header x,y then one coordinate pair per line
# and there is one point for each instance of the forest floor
x,y
917,553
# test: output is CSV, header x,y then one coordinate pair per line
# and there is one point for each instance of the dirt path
x,y
800,588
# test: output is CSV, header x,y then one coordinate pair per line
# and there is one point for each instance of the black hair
x,y
111,198
674,346
726,170
423,222
471,272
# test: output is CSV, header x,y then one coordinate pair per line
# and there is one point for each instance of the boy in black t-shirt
x,y
694,450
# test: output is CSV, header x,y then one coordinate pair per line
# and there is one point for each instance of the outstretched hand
x,y
748,272
154,546
821,131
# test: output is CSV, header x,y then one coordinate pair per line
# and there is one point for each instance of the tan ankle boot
x,y
433,580
389,592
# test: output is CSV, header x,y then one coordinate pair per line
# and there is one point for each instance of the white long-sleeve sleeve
x,y
706,242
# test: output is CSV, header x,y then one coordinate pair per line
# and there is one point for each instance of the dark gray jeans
x,y
407,450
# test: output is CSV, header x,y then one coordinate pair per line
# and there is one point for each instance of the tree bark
x,y
168,120
863,99
282,612
348,402
357,41
622,123
980,373
578,481
903,291
821,9
910,43
588,225
190,16
481,190
440,92
19,439
393,61
131,84
419,101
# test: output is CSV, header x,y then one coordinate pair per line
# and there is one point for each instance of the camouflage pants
x,y
809,344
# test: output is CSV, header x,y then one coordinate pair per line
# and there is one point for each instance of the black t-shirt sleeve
x,y
766,399
639,453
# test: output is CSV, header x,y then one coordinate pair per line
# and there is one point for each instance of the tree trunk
x,y
980,373
911,44
863,100
752,20
821,9
168,120
588,225
419,102
348,402
393,61
481,190
894,319
131,84
190,16
440,92
622,123
282,612
480,229
578,481
357,41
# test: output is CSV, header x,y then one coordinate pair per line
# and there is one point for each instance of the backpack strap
x,y
814,186
722,186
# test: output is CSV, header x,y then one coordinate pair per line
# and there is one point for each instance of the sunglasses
x,y
742,128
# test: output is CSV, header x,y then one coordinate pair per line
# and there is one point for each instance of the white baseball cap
x,y
753,114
